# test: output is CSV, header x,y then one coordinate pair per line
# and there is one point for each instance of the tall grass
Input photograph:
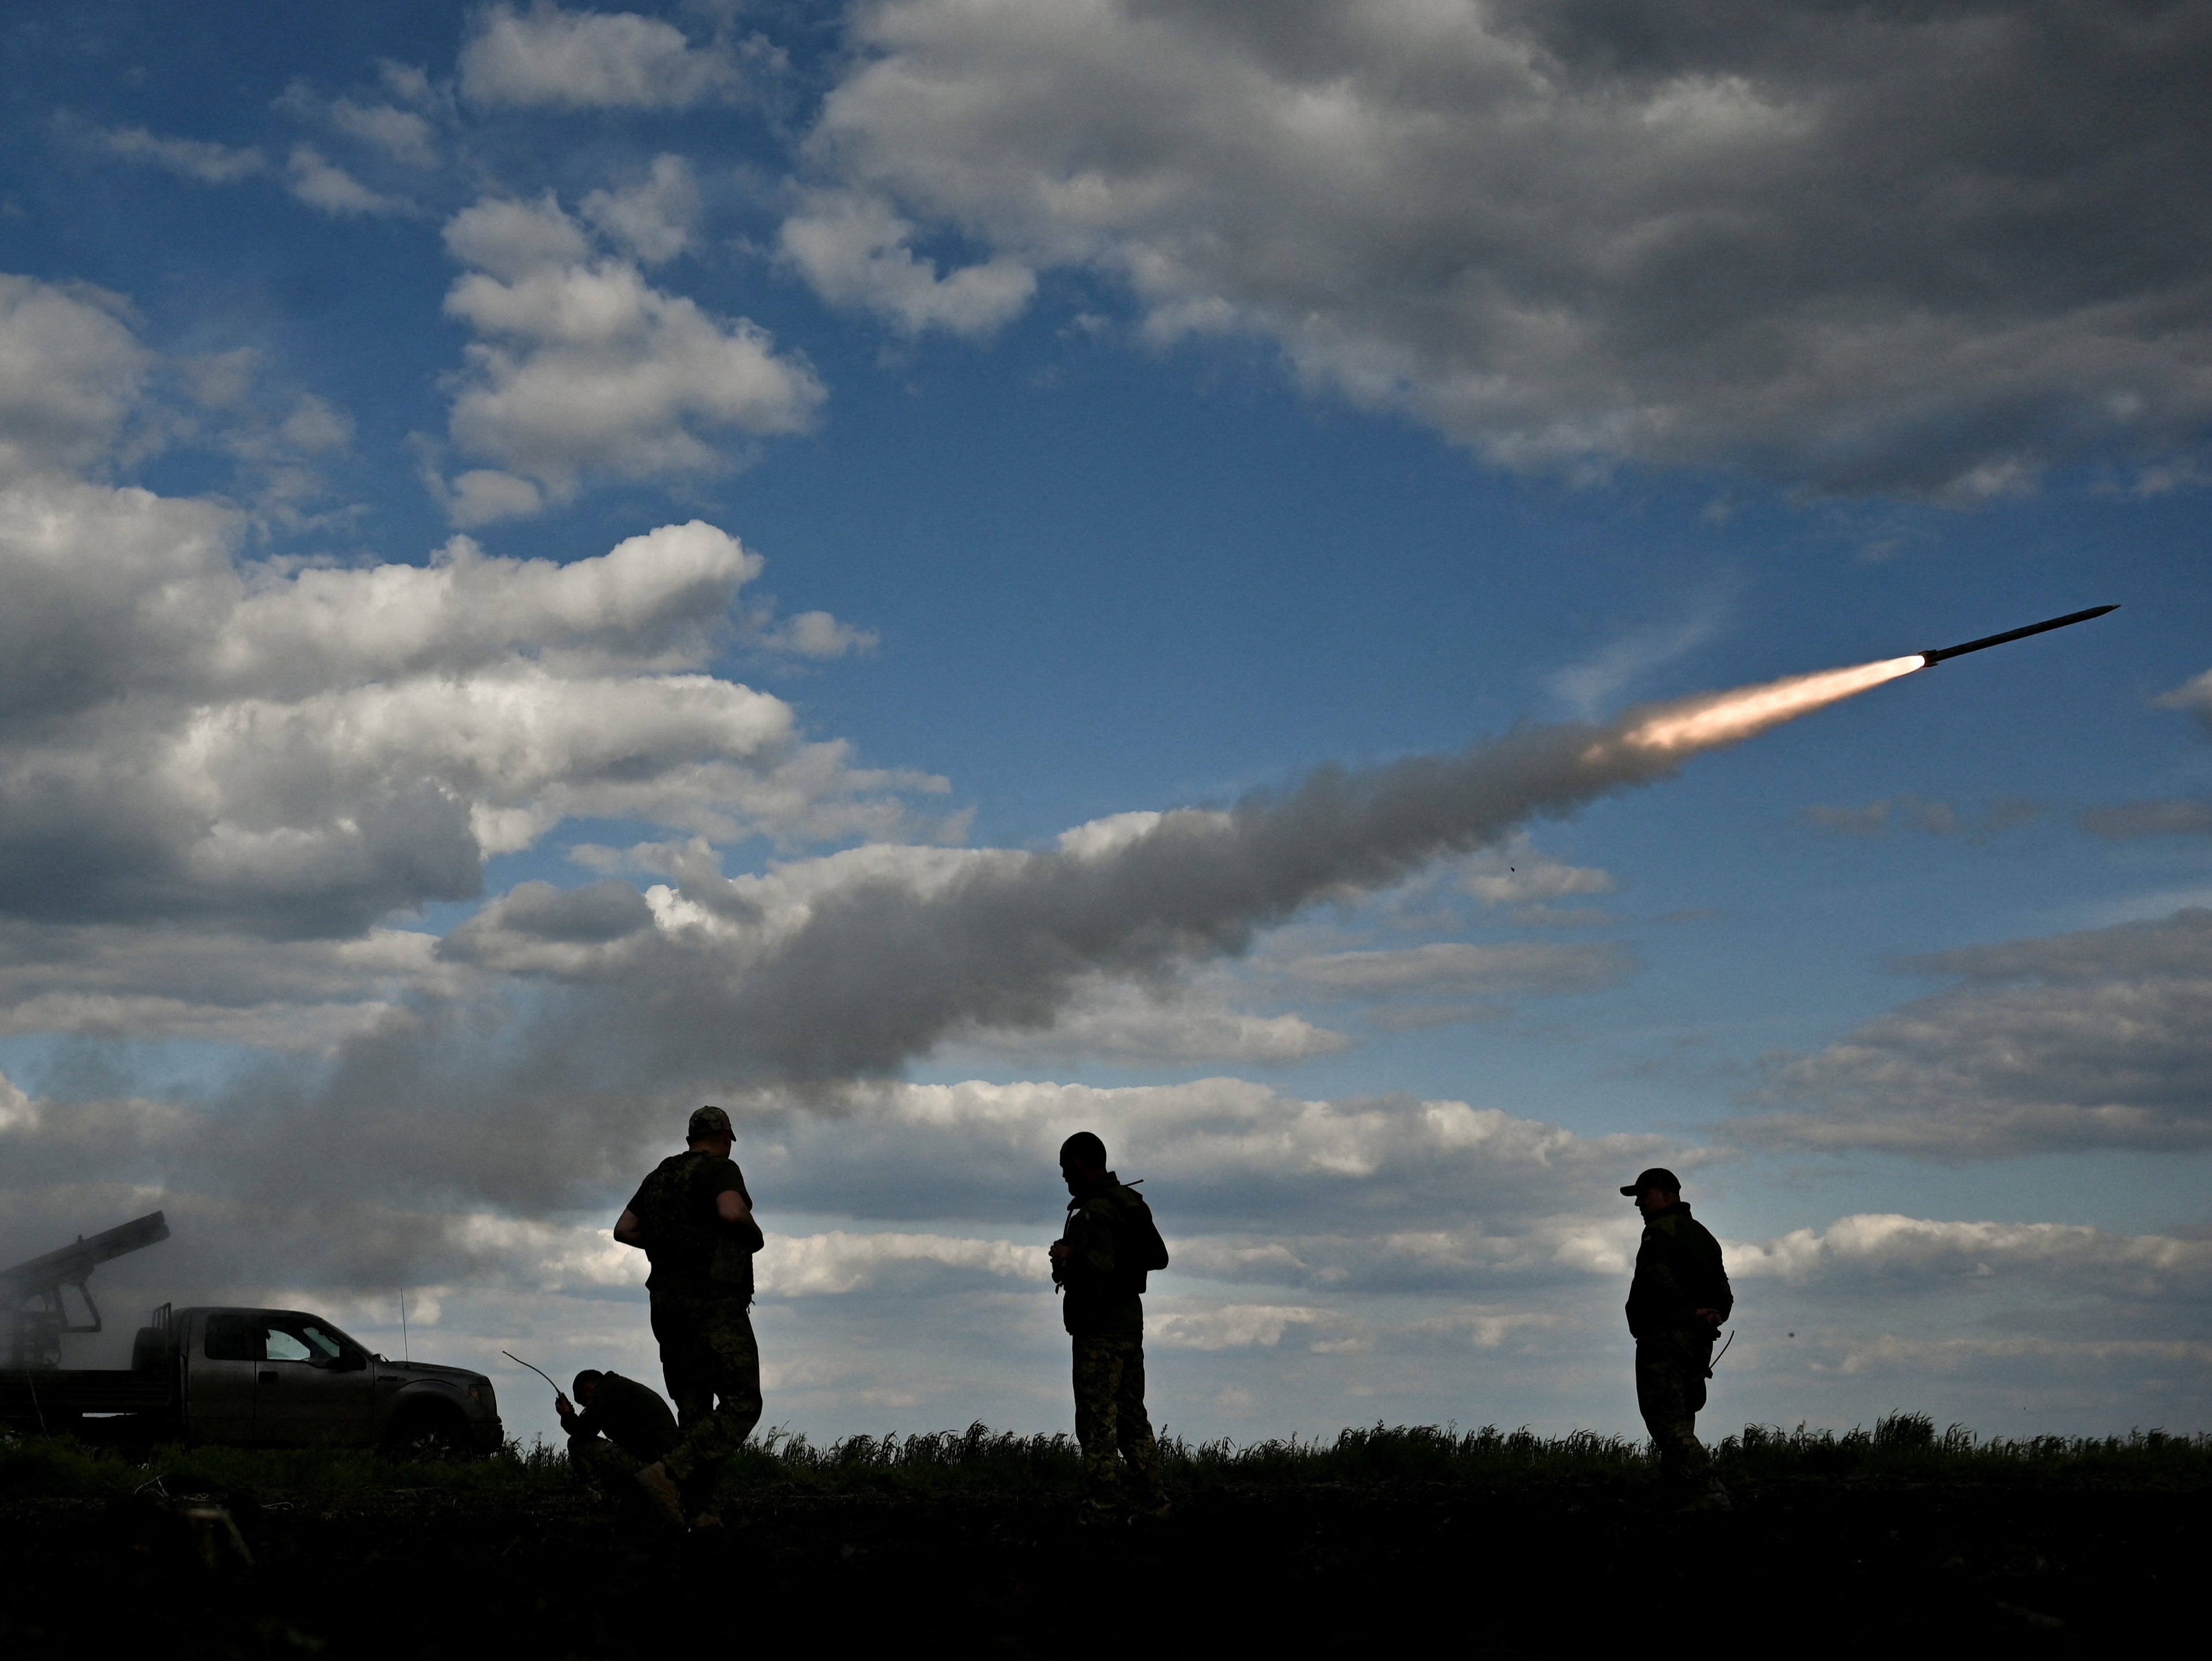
x,y
1902,1446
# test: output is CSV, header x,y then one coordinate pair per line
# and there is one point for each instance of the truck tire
x,y
428,1430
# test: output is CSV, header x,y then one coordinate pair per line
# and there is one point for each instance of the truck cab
x,y
269,1378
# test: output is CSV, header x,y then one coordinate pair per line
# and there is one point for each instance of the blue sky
x,y
1135,409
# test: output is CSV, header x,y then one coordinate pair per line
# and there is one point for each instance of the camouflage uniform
x,y
1679,1271
626,1427
701,1287
1104,1313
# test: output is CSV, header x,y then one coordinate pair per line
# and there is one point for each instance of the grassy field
x,y
971,1543
1903,1447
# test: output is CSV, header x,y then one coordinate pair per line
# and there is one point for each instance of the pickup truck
x,y
260,1377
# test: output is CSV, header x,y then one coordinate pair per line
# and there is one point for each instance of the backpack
x,y
1139,1249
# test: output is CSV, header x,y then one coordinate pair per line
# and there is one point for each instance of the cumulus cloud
x,y
654,218
70,373
554,58
854,250
1852,249
583,367
2092,1039
1860,1253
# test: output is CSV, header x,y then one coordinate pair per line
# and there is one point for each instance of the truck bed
x,y
27,1395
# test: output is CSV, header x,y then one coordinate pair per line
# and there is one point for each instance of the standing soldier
x,y
694,1219
1677,1304
1101,1261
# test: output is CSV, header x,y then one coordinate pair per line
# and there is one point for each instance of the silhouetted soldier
x,y
693,1217
1677,1304
624,1427
1100,1260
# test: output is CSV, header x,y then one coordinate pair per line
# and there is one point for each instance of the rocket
x,y
1929,658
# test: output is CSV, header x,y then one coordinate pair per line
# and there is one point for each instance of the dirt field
x,y
1805,1565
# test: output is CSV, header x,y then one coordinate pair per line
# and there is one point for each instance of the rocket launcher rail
x,y
32,1290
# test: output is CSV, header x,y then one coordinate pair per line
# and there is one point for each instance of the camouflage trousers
x,y
599,1462
1110,1417
1670,1392
711,1364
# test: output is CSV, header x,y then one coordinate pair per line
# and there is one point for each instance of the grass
x,y
1901,1447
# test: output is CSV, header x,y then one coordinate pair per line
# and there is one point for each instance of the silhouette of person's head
x,y
1082,1162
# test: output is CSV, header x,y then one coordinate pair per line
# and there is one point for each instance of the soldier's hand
x,y
1710,1316
563,1406
1059,1253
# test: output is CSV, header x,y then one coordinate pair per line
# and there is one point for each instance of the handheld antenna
x,y
539,1371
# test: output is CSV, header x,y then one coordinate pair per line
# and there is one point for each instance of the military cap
x,y
708,1122
1657,1177
1083,1148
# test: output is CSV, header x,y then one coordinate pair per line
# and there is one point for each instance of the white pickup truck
x,y
260,1378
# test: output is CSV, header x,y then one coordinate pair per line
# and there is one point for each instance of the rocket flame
x,y
1710,720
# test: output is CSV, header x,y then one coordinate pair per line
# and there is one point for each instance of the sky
x,y
942,573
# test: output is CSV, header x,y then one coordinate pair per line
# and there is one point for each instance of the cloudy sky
x,y
945,571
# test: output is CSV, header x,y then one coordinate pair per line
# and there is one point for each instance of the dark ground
x,y
1804,1564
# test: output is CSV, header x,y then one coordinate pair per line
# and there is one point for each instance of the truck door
x,y
313,1384
219,1367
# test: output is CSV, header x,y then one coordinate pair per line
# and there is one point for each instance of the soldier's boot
x,y
1712,1496
667,1498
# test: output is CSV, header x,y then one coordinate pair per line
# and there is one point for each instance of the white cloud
x,y
70,373
1828,244
583,368
853,249
547,57
403,135
840,1261
1181,1324
189,158
1521,875
1176,1023
322,184
1888,1250
654,218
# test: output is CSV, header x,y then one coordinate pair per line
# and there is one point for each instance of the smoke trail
x,y
778,991
876,973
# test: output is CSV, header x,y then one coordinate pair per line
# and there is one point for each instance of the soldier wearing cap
x,y
1677,1304
694,1218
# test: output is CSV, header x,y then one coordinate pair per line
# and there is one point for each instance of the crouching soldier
x,y
1677,1304
623,1428
1100,1262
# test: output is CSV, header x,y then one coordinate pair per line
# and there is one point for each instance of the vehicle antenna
x,y
539,1371
405,1358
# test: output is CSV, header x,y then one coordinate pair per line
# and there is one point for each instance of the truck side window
x,y
282,1346
227,1339
325,1347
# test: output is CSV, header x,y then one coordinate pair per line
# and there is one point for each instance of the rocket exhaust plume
x,y
1712,719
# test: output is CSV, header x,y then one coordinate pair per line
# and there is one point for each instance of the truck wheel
x,y
431,1431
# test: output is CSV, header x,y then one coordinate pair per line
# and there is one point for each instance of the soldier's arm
x,y
731,1207
629,1229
